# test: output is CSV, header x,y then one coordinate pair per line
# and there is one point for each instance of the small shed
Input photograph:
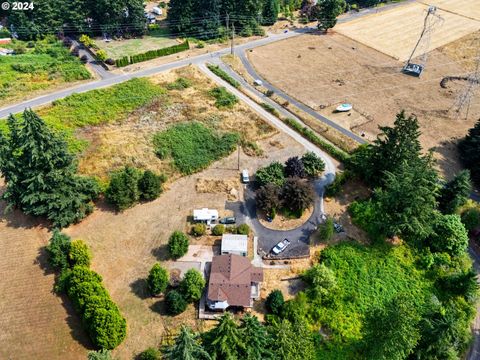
x,y
234,244
205,215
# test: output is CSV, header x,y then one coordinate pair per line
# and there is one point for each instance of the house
x,y
157,11
5,52
205,215
234,244
233,282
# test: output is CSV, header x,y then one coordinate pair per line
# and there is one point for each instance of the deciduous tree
x,y
192,285
178,244
297,195
157,279
449,235
294,168
268,199
313,165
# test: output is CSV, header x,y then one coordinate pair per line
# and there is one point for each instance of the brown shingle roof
x,y
230,280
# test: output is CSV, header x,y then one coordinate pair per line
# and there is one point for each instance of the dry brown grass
x,y
282,222
130,142
465,51
396,31
347,71
230,187
35,323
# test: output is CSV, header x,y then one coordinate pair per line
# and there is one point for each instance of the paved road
x,y
95,65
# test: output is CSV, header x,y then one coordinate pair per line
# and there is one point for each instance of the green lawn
x,y
44,64
117,49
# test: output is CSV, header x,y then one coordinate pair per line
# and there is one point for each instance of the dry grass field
x,y
331,69
130,141
467,8
395,32
34,322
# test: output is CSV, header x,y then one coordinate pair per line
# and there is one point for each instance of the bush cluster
x,y
223,75
128,185
152,54
199,229
223,97
190,290
100,315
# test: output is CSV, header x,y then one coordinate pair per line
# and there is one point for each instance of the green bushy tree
x,y
297,195
449,235
327,12
178,244
79,254
313,165
268,199
243,229
271,174
58,250
199,229
99,355
157,279
192,285
150,185
175,302
218,230
455,193
274,302
123,192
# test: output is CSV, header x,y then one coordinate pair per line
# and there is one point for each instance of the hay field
x,y
467,8
395,32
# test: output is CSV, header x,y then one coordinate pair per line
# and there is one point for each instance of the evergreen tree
x,y
186,347
208,16
455,193
41,174
469,149
274,302
408,200
225,341
392,331
256,338
123,191
328,11
269,12
181,17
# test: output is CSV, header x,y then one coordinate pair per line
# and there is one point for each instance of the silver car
x,y
281,246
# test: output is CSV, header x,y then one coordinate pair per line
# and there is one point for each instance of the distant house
x,y
233,282
234,244
205,215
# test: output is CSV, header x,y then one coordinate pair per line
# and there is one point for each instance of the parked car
x,y
281,246
245,177
338,228
228,220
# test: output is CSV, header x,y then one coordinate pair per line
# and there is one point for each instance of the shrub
x,y
110,61
223,75
192,285
218,230
86,40
4,33
123,192
79,254
449,236
336,186
179,84
150,354
84,59
269,93
471,218
243,229
99,355
271,174
67,42
102,55
175,302
178,244
157,279
313,165
150,185
199,229
200,45
270,109
58,249
152,54
274,302
76,51
223,97
326,230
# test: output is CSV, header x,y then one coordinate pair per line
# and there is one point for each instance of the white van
x,y
245,177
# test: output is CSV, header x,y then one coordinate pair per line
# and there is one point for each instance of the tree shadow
x,y
42,261
18,220
449,160
75,324
160,307
140,288
161,253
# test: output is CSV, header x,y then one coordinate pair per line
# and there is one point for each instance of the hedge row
x,y
152,54
310,135
100,315
223,75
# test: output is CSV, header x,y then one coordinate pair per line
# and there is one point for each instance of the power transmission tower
x,y
422,47
464,100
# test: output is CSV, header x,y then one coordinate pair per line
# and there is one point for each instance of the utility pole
x,y
232,51
238,159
